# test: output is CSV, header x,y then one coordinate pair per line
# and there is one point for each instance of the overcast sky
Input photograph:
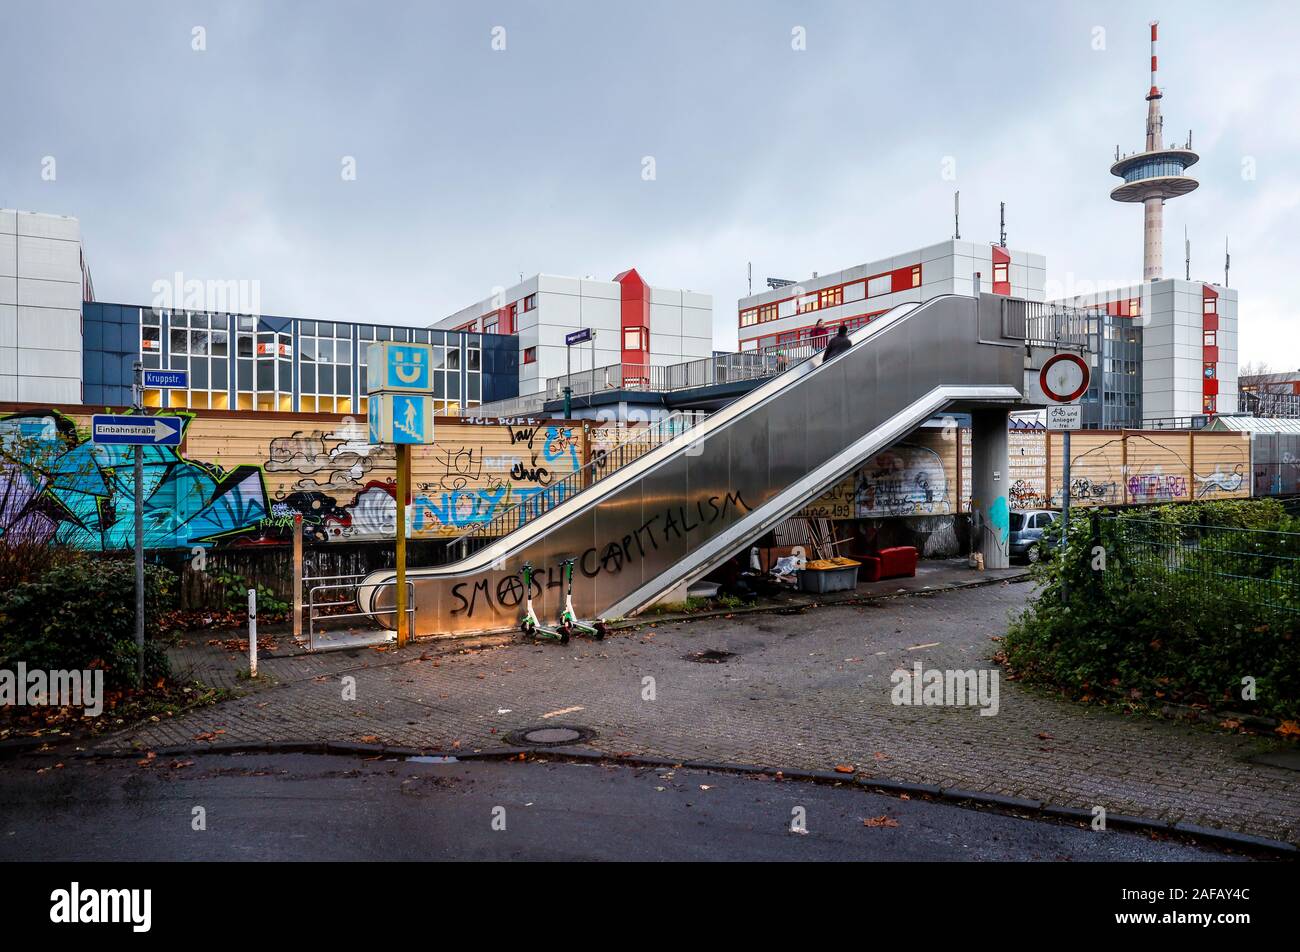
x,y
474,164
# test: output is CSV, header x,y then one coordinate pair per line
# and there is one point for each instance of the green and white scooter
x,y
531,625
569,621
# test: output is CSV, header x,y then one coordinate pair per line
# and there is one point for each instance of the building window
x,y
768,312
806,304
830,297
883,284
530,355
1209,339
916,276
749,317
636,338
1000,273
530,302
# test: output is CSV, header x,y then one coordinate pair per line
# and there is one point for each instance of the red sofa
x,y
896,562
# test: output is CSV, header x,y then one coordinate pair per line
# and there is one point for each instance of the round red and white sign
x,y
1064,377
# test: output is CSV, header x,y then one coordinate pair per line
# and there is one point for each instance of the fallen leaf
x,y
879,821
844,768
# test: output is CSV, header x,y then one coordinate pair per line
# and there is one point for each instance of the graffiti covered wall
x,y
241,480
917,477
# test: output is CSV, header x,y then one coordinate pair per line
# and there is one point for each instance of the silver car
x,y
1026,539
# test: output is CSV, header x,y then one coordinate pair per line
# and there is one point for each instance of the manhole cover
x,y
711,656
552,735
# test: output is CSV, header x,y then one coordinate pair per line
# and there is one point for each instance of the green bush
x,y
82,615
1164,604
234,596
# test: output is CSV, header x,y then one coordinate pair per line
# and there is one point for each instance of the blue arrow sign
x,y
578,337
167,379
110,430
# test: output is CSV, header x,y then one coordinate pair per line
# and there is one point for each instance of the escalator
x,y
684,507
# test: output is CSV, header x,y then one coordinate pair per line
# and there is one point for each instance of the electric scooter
x,y
569,622
531,625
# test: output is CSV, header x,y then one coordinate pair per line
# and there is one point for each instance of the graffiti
x,y
673,525
60,488
1085,490
1000,519
57,486
1220,482
1024,496
1152,486
902,481
323,468
460,467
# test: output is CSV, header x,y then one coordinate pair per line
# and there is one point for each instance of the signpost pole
x,y
568,383
137,395
1065,509
403,482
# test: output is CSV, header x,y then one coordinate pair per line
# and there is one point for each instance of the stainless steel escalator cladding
x,y
683,507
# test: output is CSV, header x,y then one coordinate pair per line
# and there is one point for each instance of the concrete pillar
x,y
989,484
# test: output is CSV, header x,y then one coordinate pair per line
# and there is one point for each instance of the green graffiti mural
x,y
57,486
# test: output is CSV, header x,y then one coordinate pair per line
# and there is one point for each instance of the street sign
x,y
1064,416
578,337
108,430
1063,378
167,379
401,418
399,368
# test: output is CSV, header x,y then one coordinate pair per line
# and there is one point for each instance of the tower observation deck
x,y
1153,176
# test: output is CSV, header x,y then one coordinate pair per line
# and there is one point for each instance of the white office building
x,y
786,314
43,281
635,325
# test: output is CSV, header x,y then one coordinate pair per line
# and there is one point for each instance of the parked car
x,y
1027,528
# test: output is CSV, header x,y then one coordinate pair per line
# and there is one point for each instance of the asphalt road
x,y
309,807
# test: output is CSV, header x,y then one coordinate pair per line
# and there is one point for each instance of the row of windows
x,y
264,361
833,296
1154,168
179,399
795,335
504,320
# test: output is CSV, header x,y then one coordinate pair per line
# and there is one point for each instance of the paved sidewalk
x,y
806,690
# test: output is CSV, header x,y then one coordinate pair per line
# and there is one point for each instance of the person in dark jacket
x,y
838,345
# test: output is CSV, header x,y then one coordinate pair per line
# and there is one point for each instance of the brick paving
x,y
806,690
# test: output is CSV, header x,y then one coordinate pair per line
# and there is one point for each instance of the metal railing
x,y
1252,566
1043,324
689,375
347,583
604,462
1262,403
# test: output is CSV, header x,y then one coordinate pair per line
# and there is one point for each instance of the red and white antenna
x,y
1155,90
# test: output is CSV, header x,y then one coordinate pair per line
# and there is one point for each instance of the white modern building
x,y
635,325
43,282
1166,350
786,314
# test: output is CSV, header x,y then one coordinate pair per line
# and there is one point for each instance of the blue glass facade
x,y
1155,168
242,362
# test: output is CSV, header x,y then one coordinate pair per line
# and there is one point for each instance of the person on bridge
x,y
838,345
818,335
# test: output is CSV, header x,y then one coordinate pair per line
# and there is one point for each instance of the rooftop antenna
x,y
751,279
956,215
1227,262
1002,240
1187,242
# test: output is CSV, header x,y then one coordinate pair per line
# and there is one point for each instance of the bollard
x,y
252,632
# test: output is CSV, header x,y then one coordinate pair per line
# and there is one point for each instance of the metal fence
x,y
1248,566
705,372
1047,325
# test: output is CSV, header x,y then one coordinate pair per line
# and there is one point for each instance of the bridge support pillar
x,y
990,506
